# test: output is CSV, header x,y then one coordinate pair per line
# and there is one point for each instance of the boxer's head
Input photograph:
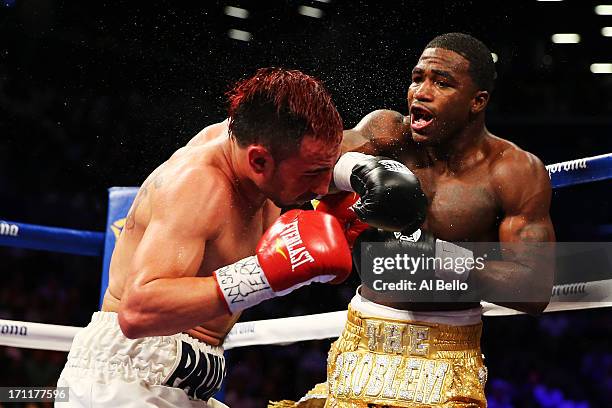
x,y
450,88
290,132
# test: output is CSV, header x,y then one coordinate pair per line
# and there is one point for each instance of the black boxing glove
x,y
438,259
391,195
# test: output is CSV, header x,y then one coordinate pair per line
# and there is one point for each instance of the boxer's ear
x,y
479,102
260,160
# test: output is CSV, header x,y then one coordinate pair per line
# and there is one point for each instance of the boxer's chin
x,y
422,139
293,203
284,203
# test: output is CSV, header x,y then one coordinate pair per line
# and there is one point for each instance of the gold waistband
x,y
408,338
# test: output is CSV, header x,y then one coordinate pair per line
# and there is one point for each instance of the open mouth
x,y
420,118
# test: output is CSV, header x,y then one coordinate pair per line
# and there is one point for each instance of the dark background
x,y
96,94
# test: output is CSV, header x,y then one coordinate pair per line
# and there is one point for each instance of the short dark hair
x,y
277,108
482,67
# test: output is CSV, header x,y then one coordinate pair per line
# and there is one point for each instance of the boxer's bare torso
x,y
233,227
494,192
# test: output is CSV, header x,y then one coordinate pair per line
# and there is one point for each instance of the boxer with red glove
x,y
299,248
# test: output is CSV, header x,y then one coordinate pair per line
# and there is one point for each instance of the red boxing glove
x,y
303,247
299,248
341,206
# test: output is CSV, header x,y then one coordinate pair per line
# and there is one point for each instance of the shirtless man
x,y
480,188
183,267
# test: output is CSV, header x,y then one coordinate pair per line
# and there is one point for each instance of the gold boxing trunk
x,y
380,362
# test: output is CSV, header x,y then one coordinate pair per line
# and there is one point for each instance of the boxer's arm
x,y
376,133
162,295
527,270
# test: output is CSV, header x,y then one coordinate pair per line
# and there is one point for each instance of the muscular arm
x,y
162,294
526,272
377,132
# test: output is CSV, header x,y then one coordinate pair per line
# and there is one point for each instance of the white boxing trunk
x,y
106,369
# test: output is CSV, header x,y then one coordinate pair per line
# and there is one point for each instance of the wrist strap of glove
x,y
243,284
344,167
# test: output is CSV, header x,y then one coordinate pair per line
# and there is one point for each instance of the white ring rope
x,y
577,296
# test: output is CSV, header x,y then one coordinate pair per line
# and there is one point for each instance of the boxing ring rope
x,y
285,330
580,171
288,330
69,241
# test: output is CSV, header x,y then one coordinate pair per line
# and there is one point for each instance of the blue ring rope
x,y
91,243
580,171
71,241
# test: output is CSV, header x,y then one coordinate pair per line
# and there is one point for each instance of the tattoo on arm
x,y
534,233
533,247
157,182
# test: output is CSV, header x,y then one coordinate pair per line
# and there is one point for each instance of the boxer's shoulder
x,y
506,158
209,133
516,172
190,189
